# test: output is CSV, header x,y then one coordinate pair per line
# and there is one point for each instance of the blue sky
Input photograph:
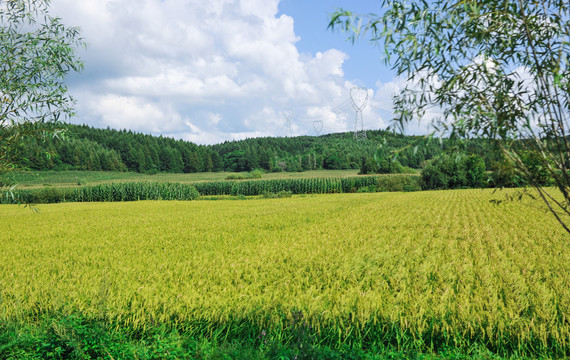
x,y
365,63
217,70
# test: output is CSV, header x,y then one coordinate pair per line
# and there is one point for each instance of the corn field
x,y
410,270
310,185
111,192
132,191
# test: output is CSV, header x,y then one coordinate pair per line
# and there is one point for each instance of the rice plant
x,y
425,270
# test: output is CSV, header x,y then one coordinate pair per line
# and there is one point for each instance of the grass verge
x,y
75,337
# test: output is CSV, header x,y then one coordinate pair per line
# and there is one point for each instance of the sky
x,y
218,70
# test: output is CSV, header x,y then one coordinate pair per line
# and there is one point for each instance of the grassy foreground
x,y
426,272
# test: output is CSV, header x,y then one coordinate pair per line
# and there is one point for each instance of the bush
x,y
255,174
538,173
474,171
391,184
399,183
384,165
236,176
280,195
368,166
411,183
48,195
453,171
502,175
152,171
367,189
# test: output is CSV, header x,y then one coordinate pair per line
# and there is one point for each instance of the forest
x,y
88,148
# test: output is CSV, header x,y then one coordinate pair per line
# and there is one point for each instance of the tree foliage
x,y
139,152
493,68
331,152
453,171
87,148
36,53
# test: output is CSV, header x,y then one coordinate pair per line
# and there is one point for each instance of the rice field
x,y
421,270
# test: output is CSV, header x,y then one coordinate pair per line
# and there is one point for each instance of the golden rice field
x,y
406,269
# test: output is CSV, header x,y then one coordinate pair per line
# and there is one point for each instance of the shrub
x,y
453,171
383,165
474,171
398,183
502,175
368,166
152,171
255,174
367,189
236,176
535,166
280,195
48,195
391,184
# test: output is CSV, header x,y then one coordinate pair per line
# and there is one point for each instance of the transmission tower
x,y
318,126
289,115
359,98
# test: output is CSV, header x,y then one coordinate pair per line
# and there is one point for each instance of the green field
x,y
38,179
424,271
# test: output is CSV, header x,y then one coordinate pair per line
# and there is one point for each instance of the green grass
x,y
38,179
71,336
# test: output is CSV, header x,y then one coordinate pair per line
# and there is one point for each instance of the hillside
x,y
87,148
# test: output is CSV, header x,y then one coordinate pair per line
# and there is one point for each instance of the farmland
x,y
40,179
424,270
162,190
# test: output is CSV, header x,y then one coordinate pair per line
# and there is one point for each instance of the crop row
x,y
311,185
133,191
428,270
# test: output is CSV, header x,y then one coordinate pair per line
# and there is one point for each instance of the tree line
x,y
87,148
329,152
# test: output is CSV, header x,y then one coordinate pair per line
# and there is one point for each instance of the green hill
x,y
88,148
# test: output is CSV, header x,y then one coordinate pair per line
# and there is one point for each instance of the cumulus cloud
x,y
382,103
203,71
132,112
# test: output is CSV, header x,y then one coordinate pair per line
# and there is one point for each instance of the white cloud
x,y
327,119
226,67
139,114
215,119
382,103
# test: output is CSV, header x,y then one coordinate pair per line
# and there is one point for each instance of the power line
x,y
358,101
